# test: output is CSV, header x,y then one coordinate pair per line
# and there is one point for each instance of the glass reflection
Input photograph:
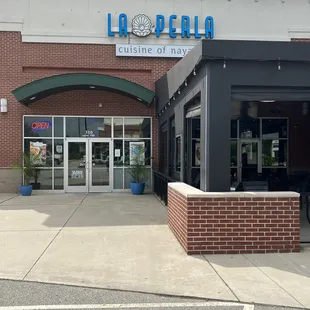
x,y
249,159
77,163
274,128
118,153
137,127
274,153
118,127
88,127
58,127
100,171
249,128
233,153
59,179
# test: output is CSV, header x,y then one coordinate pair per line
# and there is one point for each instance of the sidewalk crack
x,y
5,200
222,279
274,281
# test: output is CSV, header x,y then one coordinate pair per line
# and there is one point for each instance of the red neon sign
x,y
38,126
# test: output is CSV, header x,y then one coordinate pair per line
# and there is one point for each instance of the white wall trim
x,y
299,33
11,24
101,39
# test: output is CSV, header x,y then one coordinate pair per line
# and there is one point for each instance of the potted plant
x,y
138,169
28,172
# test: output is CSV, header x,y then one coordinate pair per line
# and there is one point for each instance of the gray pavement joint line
x,y
221,278
161,202
54,238
5,200
274,281
129,306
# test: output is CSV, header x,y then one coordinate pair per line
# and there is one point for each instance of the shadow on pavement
x,y
83,210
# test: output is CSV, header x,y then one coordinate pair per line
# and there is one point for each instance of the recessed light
x,y
92,87
265,101
32,98
139,99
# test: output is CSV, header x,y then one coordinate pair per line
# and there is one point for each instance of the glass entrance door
x,y
88,165
100,165
76,160
250,165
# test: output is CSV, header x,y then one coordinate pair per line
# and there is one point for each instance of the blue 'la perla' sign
x,y
142,26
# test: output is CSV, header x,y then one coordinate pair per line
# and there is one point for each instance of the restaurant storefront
x,y
67,88
85,154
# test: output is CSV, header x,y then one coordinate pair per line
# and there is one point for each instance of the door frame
x,y
106,188
88,166
239,156
75,189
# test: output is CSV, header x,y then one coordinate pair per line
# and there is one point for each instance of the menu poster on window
x,y
59,149
38,153
197,154
135,150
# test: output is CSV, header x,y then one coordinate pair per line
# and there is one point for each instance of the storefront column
x,y
215,135
179,131
203,136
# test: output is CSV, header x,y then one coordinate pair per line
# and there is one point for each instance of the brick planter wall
x,y
234,223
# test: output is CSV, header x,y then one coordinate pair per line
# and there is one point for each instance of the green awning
x,y
55,84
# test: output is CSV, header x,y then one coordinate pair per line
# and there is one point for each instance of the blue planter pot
x,y
25,190
137,188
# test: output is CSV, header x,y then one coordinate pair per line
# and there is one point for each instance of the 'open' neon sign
x,y
41,125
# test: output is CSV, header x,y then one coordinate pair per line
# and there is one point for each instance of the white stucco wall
x,y
85,21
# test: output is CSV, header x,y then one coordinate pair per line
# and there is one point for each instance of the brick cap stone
x,y
192,192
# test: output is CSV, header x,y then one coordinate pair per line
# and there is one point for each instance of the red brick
x,y
238,229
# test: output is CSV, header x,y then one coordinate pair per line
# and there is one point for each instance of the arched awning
x,y
55,84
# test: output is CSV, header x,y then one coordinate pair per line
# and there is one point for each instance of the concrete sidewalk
x,y
122,241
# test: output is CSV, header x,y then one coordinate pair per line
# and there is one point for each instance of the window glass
x,y
172,147
118,153
118,127
249,128
35,126
178,153
88,127
163,150
274,128
233,175
58,127
233,128
233,153
118,178
58,153
196,128
274,153
137,127
196,153
147,147
45,179
59,179
40,150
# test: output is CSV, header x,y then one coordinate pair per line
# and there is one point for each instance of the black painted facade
x,y
219,71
